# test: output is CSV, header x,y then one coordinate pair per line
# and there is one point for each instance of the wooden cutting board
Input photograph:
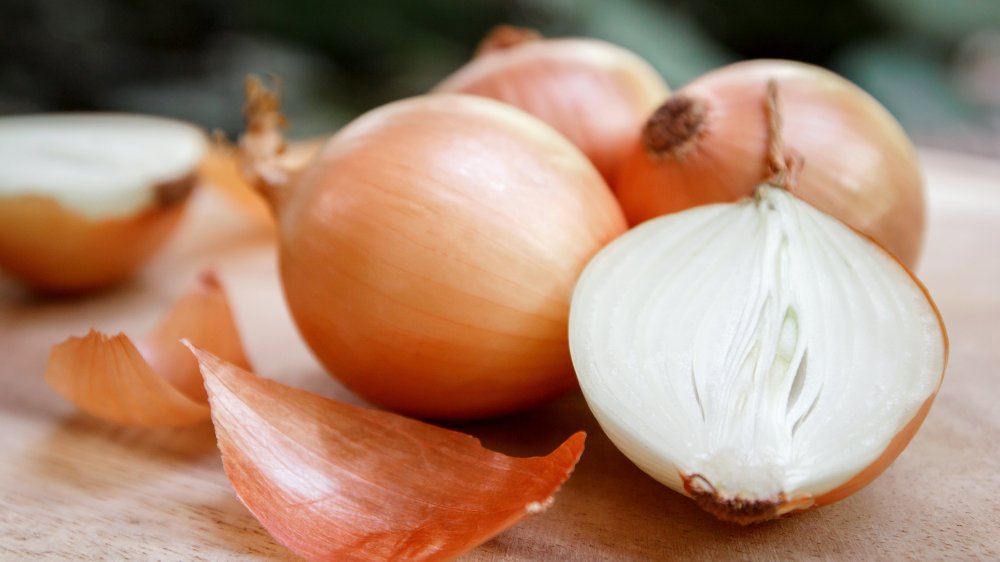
x,y
72,487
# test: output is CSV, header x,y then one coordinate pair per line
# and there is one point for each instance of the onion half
x,y
758,356
85,199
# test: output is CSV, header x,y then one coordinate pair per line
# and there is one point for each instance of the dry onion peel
x,y
155,383
85,199
595,93
707,144
429,251
333,481
758,356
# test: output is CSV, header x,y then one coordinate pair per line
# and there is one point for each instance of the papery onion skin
x,y
710,142
332,481
203,317
56,250
429,252
107,377
595,93
155,382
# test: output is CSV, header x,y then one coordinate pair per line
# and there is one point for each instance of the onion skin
x,y
860,166
154,381
335,482
429,252
108,377
59,251
595,93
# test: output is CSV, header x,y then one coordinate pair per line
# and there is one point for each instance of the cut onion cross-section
x,y
759,356
86,198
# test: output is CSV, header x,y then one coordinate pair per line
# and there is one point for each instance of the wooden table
x,y
72,487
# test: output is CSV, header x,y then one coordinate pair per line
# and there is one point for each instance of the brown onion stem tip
x,y
506,36
743,511
777,158
674,127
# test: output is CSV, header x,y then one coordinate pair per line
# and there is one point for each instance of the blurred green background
x,y
935,64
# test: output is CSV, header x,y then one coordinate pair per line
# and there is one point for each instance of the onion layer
x,y
429,252
333,481
707,145
595,93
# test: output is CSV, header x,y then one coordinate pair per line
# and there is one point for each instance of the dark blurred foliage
x,y
935,64
791,29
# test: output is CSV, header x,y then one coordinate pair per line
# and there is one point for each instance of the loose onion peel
x,y
155,383
758,356
333,481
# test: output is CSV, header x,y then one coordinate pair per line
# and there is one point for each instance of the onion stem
x,y
783,163
263,146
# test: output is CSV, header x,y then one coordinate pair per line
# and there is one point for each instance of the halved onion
x,y
333,481
86,198
758,356
155,383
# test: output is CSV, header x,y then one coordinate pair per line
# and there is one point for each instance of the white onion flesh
x,y
98,165
762,345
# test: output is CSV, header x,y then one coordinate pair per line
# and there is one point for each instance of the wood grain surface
x,y
72,487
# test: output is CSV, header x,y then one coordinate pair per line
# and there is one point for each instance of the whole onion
x,y
429,251
596,94
706,144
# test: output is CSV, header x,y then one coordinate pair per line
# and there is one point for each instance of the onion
x,y
758,356
595,93
87,198
706,144
333,481
428,253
